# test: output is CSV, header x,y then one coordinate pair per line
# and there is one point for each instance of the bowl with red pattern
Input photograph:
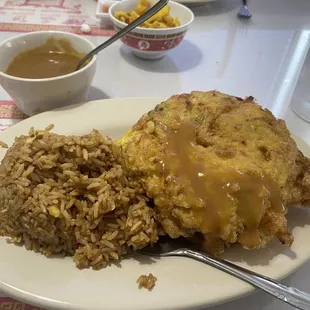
x,y
152,43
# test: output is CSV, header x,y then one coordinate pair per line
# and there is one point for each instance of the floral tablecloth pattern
x,y
63,15
9,115
7,303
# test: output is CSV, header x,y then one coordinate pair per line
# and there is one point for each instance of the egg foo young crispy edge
x,y
142,147
68,195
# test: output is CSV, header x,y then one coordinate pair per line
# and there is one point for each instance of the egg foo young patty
x,y
218,167
68,195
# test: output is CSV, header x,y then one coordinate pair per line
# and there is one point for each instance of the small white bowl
x,y
151,43
34,96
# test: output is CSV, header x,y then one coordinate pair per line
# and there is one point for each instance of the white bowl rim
x,y
115,20
28,34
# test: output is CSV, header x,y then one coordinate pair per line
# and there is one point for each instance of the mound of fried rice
x,y
69,195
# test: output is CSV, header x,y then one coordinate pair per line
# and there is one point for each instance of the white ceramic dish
x,y
153,43
33,96
182,283
102,12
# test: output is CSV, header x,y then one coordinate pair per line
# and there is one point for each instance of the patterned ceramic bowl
x,y
149,43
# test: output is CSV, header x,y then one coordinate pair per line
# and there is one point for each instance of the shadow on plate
x,y
141,259
261,257
144,259
183,58
297,217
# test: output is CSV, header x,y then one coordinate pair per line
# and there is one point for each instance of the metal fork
x,y
290,295
244,11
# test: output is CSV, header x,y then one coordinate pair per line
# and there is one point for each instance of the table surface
x,y
262,58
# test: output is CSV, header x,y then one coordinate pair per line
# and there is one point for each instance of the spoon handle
x,y
290,295
149,13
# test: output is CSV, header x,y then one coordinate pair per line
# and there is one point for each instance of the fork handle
x,y
290,295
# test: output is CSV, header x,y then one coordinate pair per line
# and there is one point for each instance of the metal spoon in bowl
x,y
149,13
168,247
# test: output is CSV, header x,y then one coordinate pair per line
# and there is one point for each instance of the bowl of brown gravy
x,y
38,70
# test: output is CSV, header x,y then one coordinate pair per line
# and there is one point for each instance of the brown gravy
x,y
214,191
55,57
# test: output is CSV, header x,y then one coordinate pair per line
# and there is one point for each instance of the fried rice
x,y
147,281
68,195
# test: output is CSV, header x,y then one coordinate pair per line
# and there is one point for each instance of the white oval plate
x,y
182,283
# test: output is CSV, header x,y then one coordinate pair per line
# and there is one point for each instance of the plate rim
x,y
42,301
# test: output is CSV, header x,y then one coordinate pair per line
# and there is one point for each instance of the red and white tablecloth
x,y
63,15
7,303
